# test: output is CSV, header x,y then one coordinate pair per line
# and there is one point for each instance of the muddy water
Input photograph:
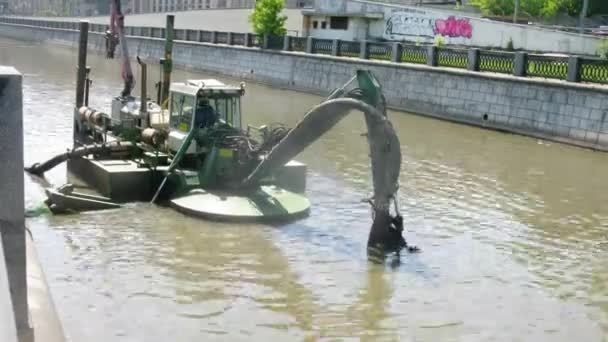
x,y
513,231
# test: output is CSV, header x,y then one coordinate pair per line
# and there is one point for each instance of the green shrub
x,y
47,13
602,48
266,17
538,8
439,40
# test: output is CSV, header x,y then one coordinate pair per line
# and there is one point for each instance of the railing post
x,y
214,37
364,52
396,52
309,45
574,69
265,41
432,57
286,43
520,64
229,38
247,39
473,60
335,45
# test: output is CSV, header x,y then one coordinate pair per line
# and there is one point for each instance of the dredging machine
x,y
189,148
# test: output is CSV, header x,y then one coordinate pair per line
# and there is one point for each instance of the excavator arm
x,y
385,153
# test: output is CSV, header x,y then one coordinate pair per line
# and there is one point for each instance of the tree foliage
x,y
602,48
267,18
538,8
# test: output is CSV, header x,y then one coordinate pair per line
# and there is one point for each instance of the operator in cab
x,y
205,114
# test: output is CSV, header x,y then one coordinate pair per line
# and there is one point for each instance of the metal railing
x,y
221,37
379,51
274,42
569,68
455,58
254,40
238,38
297,44
414,54
594,70
494,61
349,49
547,66
322,46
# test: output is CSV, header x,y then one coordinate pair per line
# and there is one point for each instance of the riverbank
x,y
553,110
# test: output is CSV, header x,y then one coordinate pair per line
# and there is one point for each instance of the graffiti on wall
x,y
408,24
452,27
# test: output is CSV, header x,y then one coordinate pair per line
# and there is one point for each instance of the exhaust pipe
x,y
144,87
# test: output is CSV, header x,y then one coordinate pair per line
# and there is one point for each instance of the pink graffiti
x,y
453,27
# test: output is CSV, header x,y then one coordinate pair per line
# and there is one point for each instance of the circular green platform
x,y
267,203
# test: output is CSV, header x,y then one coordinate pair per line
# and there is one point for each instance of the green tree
x,y
267,18
536,8
573,7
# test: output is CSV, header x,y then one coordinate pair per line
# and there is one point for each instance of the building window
x,y
323,25
338,23
315,24
200,4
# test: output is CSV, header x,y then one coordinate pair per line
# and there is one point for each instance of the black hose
x,y
40,168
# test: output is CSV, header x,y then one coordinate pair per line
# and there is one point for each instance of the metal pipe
x,y
87,86
82,63
584,15
144,88
516,11
159,84
168,64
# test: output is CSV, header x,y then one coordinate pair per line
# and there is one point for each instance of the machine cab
x,y
202,104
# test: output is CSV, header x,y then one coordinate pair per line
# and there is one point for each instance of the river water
x,y
513,232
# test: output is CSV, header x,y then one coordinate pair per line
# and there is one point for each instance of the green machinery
x,y
189,149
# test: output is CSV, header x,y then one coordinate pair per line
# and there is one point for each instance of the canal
x,y
513,231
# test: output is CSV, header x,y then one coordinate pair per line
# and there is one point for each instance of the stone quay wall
x,y
567,112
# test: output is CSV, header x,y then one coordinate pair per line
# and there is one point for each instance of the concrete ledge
x,y
44,318
8,330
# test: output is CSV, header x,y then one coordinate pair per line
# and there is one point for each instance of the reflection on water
x,y
514,237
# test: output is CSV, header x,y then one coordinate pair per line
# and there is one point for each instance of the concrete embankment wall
x,y
555,110
414,23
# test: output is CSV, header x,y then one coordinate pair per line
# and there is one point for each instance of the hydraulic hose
x,y
40,168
